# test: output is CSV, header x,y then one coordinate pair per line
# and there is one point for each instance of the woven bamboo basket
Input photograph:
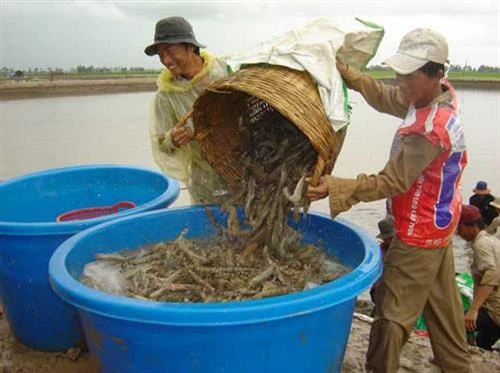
x,y
256,94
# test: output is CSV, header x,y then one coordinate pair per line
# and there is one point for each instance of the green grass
x,y
455,75
473,76
113,75
91,75
376,74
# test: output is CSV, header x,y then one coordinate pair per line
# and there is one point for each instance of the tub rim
x,y
70,227
336,292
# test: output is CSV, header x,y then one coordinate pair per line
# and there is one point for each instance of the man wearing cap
x,y
481,199
188,72
484,313
386,232
422,179
494,227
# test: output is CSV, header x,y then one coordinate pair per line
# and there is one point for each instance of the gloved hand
x,y
317,192
339,190
341,67
341,194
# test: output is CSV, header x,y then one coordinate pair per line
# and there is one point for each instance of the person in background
x,y
386,234
188,72
484,313
494,227
481,199
422,178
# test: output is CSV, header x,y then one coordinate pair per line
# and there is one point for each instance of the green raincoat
x,y
174,98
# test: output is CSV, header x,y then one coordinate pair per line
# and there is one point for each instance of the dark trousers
x,y
487,331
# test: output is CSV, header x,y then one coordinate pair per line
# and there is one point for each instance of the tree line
x,y
453,68
81,69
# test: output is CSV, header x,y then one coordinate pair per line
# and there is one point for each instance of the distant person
x,y
386,234
494,227
484,313
481,199
423,180
188,72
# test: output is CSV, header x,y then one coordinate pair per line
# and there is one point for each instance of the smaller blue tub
x,y
295,333
29,234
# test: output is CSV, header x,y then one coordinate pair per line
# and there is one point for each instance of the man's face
x,y
418,88
175,57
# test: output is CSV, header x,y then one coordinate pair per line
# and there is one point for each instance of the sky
x,y
66,34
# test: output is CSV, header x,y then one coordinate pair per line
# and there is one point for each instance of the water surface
x,y
39,134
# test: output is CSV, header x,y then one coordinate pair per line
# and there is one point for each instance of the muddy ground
x,y
17,358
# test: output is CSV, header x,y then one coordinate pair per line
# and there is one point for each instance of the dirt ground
x,y
17,358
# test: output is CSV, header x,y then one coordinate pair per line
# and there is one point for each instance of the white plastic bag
x,y
105,276
313,48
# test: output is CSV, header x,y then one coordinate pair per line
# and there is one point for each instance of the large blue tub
x,y
296,333
29,234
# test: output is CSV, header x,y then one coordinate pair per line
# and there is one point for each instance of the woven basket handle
x,y
184,118
199,135
318,171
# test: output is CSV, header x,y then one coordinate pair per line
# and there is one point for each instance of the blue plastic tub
x,y
29,234
301,332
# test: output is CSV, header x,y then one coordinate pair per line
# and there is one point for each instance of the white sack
x,y
313,48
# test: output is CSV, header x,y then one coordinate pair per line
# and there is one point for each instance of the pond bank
x,y
81,87
13,90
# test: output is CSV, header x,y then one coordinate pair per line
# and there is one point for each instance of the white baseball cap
x,y
416,49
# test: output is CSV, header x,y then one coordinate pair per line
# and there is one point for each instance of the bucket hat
x,y
172,30
418,47
496,203
481,188
386,228
469,214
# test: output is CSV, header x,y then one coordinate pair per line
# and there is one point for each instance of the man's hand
x,y
340,193
320,191
181,135
470,319
341,67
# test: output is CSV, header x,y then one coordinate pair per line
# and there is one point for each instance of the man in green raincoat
x,y
188,72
